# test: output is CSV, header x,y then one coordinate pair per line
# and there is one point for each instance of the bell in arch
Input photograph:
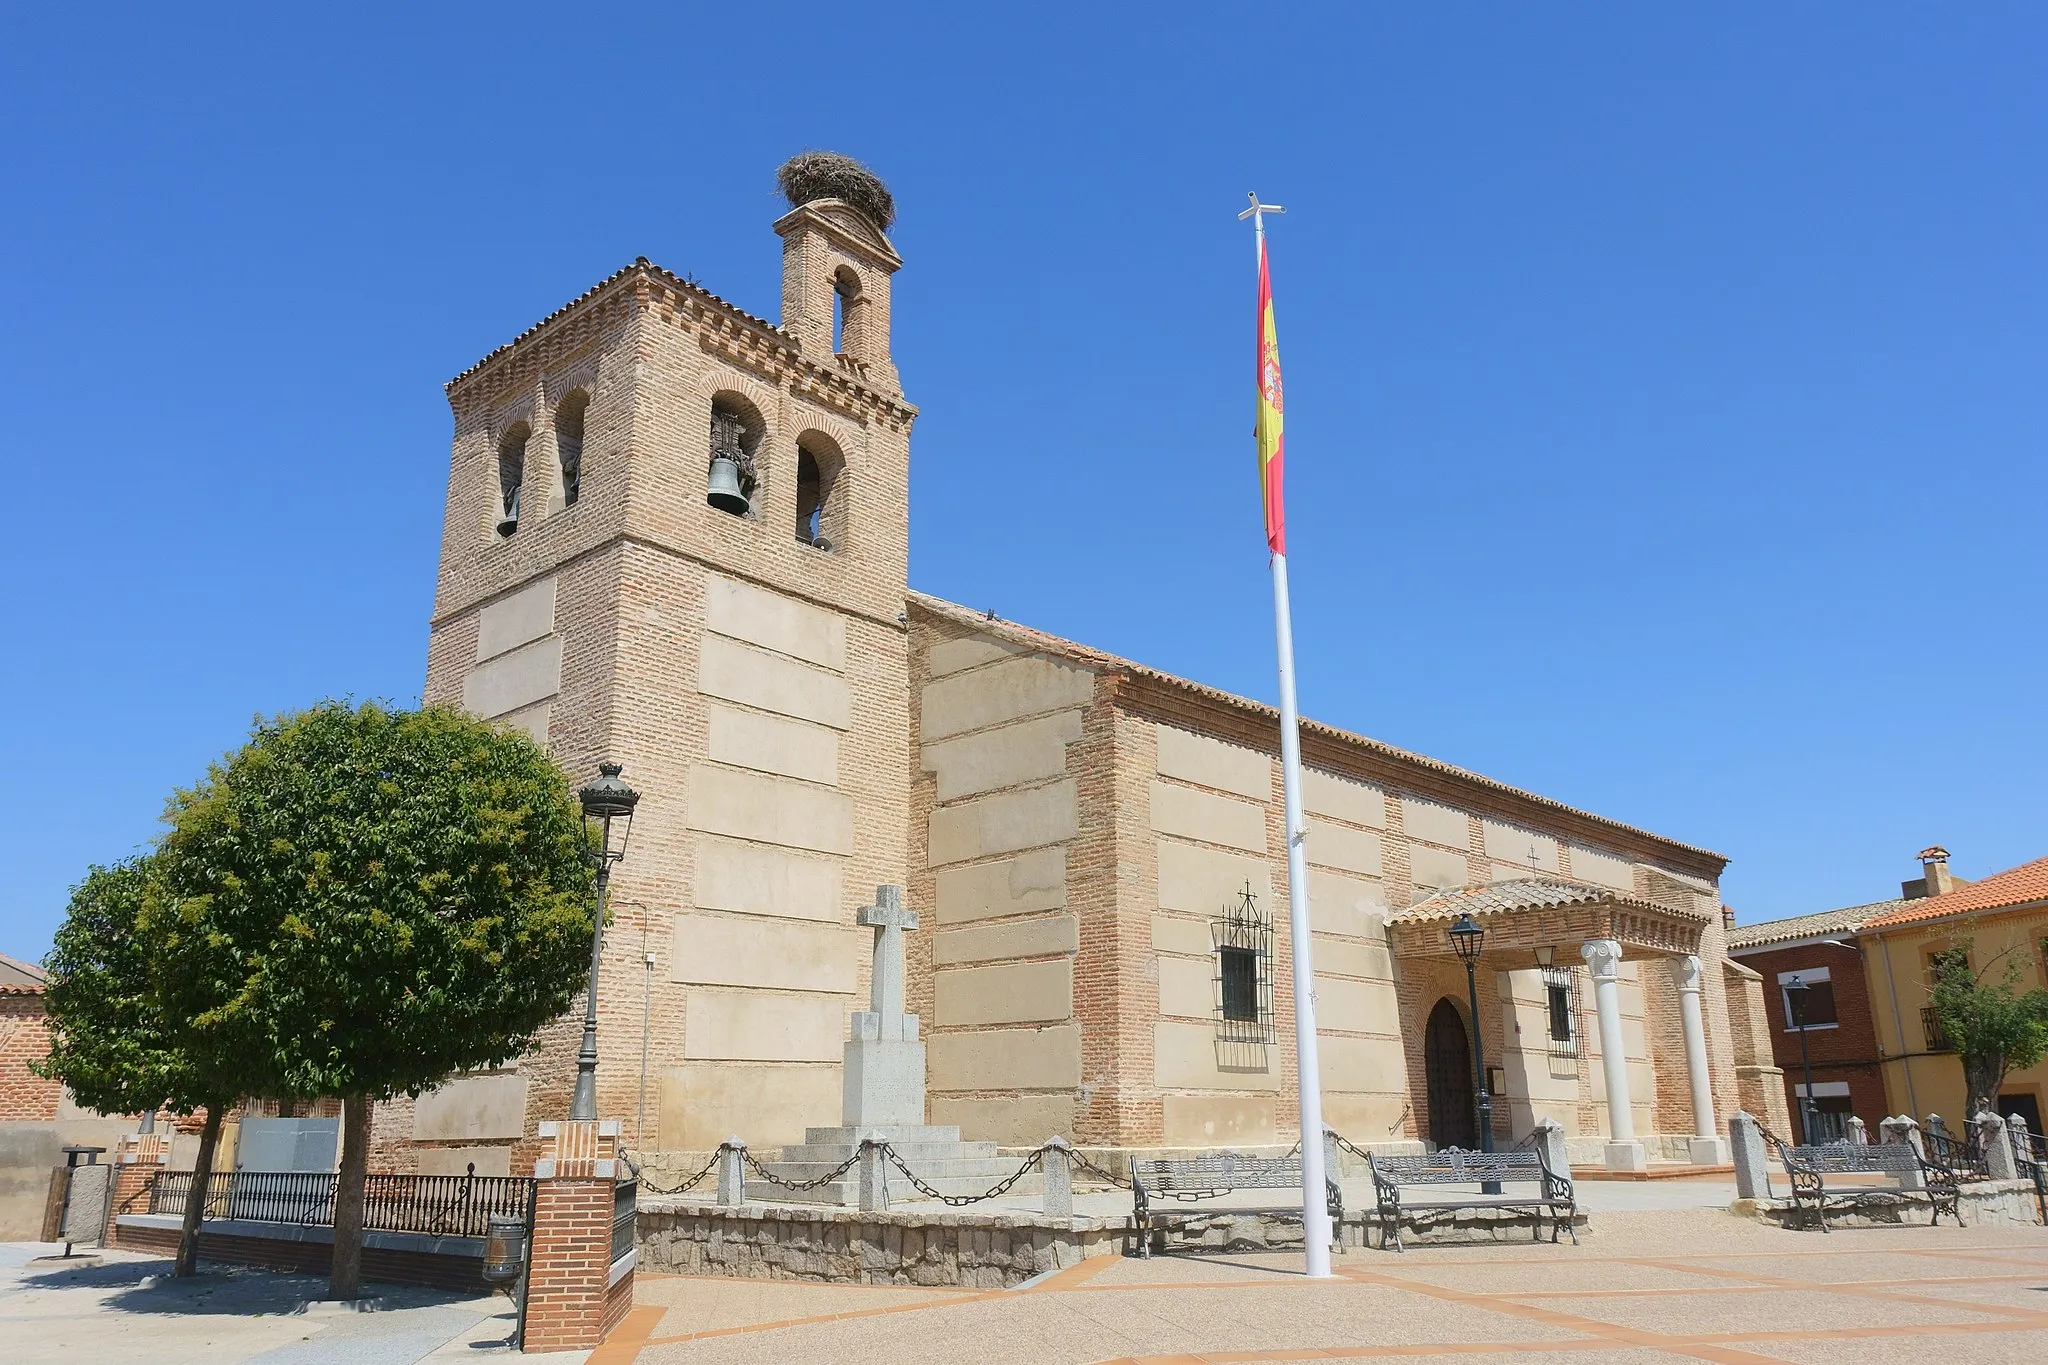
x,y
509,523
725,491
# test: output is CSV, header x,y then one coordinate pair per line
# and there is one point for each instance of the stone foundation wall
x,y
1255,1231
776,1242
1988,1204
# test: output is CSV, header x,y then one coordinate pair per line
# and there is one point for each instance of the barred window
x,y
1561,999
1243,936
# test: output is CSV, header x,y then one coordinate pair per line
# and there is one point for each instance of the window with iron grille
x,y
1244,972
1561,997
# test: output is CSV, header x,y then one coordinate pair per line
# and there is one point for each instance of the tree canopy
x,y
1994,1026
110,1042
374,898
370,900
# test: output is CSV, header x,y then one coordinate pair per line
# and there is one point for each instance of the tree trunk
x,y
195,1201
346,1277
1983,1074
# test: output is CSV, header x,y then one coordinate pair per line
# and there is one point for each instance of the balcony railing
x,y
439,1205
1931,1030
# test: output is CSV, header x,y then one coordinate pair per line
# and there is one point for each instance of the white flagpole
x,y
1315,1210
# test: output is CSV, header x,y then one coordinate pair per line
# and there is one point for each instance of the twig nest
x,y
828,175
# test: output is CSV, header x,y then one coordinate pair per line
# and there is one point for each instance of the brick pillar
x,y
572,1299
138,1161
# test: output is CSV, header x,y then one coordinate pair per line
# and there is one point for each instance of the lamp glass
x,y
1466,937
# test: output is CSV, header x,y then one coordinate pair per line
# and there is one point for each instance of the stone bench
x,y
1211,1177
1552,1197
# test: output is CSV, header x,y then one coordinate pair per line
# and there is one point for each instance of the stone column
x,y
1707,1147
1998,1162
873,1172
575,1293
1752,1162
1603,958
1550,1142
1903,1129
1057,1168
732,1172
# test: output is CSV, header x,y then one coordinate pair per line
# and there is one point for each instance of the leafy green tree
x,y
375,899
1995,1026
112,1045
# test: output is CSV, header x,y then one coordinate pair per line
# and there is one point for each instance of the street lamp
x,y
1795,994
1466,939
606,802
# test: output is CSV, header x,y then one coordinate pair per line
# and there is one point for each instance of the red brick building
x,y
1820,952
24,1038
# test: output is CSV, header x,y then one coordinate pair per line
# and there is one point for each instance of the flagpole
x,y
1315,1210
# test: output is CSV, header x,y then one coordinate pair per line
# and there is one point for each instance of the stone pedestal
x,y
1707,1151
884,1099
1752,1163
575,1293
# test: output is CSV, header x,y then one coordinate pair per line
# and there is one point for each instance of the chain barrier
x,y
1346,1144
799,1186
1001,1187
648,1184
1082,1163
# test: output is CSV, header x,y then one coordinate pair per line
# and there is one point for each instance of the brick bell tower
x,y
677,537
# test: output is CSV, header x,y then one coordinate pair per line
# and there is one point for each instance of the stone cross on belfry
x,y
888,919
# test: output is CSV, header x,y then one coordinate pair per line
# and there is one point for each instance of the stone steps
x,y
917,1154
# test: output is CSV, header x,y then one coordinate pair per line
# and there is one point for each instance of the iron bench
x,y
1552,1197
1811,1169
1211,1177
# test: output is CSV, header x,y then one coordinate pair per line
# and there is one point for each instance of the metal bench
x,y
1211,1177
1816,1174
1551,1199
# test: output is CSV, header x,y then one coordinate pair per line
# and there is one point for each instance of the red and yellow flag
x,y
1272,441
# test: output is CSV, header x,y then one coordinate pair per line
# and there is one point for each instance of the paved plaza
x,y
1653,1287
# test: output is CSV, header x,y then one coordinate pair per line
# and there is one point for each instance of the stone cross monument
x,y
884,1083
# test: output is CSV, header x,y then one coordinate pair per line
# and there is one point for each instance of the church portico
x,y
1576,985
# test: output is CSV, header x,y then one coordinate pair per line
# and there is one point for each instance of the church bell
x,y
509,523
724,491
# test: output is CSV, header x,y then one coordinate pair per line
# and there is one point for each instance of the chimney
x,y
1936,878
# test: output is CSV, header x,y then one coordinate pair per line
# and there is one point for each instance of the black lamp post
x,y
1467,938
606,802
1795,992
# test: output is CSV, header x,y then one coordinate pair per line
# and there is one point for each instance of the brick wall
x,y
572,1246
1849,1052
24,1038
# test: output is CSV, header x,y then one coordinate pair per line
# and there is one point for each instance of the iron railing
x,y
625,1206
1931,1029
438,1205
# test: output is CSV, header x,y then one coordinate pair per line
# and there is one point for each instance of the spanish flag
x,y
1272,440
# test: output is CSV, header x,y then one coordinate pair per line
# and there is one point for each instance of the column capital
x,y
1686,972
1602,955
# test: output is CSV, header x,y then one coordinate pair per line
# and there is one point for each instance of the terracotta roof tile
x,y
1535,893
1821,924
2020,885
20,978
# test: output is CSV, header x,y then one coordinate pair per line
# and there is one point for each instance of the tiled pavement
x,y
1647,1288
1651,1288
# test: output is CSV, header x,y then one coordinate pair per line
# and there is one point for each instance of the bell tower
x,y
677,538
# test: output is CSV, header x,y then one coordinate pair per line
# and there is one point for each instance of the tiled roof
x,y
2020,885
1536,893
1095,658
1824,924
20,978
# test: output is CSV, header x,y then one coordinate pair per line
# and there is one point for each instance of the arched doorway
x,y
1447,1063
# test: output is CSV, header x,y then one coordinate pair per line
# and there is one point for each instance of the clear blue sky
x,y
1665,418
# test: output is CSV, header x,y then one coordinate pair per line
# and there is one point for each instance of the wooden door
x,y
1447,1063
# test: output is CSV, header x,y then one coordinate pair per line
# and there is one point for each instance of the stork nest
x,y
828,175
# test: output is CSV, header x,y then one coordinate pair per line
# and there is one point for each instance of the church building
x,y
677,538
